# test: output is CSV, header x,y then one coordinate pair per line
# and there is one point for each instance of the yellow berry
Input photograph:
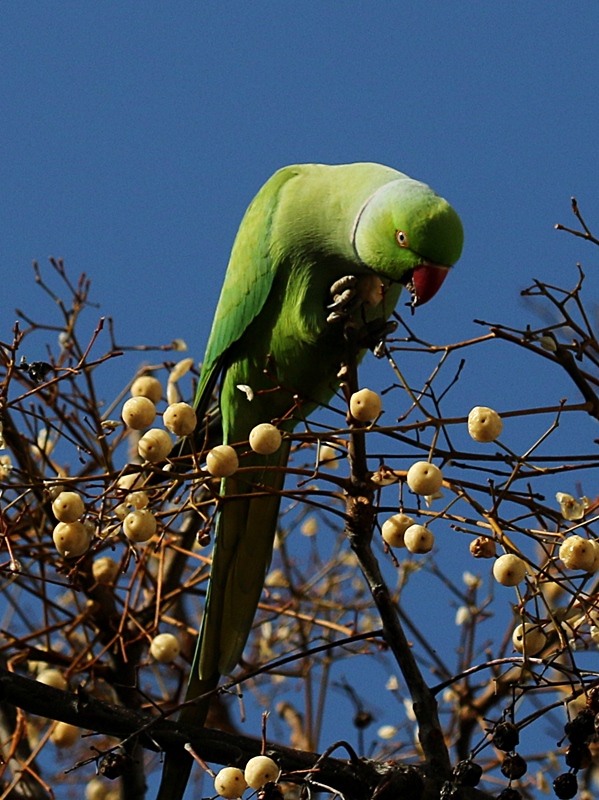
x,y
54,678
265,439
528,638
180,369
260,770
328,457
310,526
131,481
155,445
138,413
139,526
595,565
484,424
71,539
180,419
577,553
64,735
105,570
137,499
68,506
509,570
365,405
419,539
424,478
222,461
97,789
230,783
147,386
394,528
54,489
165,648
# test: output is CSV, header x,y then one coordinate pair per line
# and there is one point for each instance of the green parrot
x,y
276,332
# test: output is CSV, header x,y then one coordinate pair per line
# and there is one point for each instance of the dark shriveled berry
x,y
363,719
514,766
467,773
270,791
565,786
449,791
506,736
582,727
113,765
509,794
578,756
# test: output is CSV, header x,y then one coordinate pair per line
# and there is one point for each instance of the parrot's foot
x,y
373,335
345,298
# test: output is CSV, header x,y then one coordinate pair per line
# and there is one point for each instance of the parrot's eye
x,y
401,238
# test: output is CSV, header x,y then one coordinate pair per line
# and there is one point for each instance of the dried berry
x,y
578,756
449,791
270,791
565,786
467,773
509,794
363,719
514,766
483,547
506,736
581,728
112,765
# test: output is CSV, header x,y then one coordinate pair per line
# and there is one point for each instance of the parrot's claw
x,y
345,298
346,282
374,335
342,301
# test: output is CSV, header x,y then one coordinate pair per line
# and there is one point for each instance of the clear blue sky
x,y
134,135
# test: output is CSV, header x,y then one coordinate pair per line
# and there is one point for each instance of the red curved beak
x,y
425,282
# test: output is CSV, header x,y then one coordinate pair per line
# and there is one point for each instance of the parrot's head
x,y
410,235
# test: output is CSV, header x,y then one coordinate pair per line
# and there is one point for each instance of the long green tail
x,y
244,538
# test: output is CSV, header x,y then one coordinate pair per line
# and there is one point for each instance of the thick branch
x,y
358,779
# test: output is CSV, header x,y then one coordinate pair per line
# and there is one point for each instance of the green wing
x,y
247,283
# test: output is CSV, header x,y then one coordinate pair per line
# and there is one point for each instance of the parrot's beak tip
x,y
425,281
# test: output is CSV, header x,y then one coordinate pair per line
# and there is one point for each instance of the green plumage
x,y
309,226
